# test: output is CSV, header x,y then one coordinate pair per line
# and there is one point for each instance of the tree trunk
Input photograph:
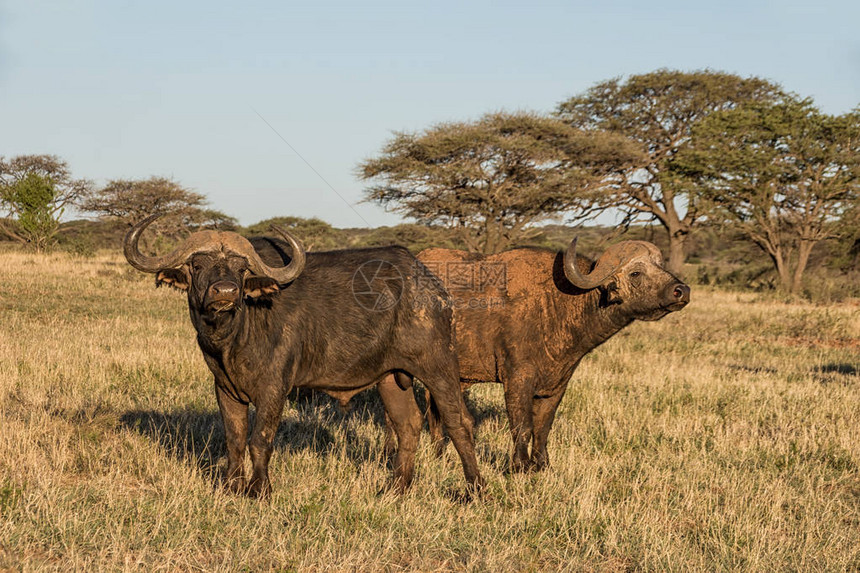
x,y
676,252
468,236
12,234
802,259
782,270
677,229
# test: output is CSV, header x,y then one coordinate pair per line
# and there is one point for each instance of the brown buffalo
x,y
270,317
526,317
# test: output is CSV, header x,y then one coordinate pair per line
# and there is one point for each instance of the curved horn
x,y
602,270
285,274
149,264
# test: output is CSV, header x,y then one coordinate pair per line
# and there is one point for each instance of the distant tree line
x,y
682,152
680,149
35,191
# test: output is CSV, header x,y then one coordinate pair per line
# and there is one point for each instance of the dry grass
x,y
721,438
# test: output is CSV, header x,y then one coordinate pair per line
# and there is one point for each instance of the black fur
x,y
322,331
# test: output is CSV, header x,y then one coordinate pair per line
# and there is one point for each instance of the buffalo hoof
x,y
259,489
395,485
477,487
520,466
538,465
402,483
474,491
235,485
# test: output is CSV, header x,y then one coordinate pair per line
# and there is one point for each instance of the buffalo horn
x,y
149,264
205,241
285,274
606,265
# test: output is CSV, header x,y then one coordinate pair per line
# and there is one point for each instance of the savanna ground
x,y
724,437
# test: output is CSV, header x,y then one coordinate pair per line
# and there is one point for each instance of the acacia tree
x,y
34,192
489,179
132,200
658,110
785,174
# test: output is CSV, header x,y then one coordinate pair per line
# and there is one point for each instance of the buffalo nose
x,y
224,289
681,292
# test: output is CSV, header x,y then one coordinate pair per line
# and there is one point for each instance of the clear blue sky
x,y
131,89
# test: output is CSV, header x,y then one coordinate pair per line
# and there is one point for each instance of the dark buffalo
x,y
526,317
270,317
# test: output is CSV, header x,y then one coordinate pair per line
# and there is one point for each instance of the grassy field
x,y
724,437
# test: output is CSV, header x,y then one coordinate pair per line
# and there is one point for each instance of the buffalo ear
x,y
176,278
610,292
260,287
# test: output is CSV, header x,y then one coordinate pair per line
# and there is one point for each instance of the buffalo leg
x,y
403,415
468,418
404,381
235,417
262,443
390,440
434,423
449,400
518,401
543,414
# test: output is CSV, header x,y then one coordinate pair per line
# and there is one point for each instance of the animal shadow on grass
x,y
753,369
188,435
197,437
482,411
835,372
